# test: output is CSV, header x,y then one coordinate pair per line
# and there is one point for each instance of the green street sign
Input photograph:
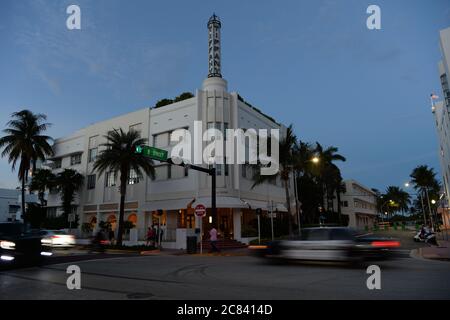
x,y
152,152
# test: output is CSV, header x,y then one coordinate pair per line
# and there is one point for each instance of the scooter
x,y
427,237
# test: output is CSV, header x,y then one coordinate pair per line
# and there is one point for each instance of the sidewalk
x,y
441,252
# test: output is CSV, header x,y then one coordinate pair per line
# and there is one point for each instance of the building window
x,y
51,212
218,169
93,154
161,140
53,190
57,163
110,179
133,177
91,181
244,170
225,128
75,159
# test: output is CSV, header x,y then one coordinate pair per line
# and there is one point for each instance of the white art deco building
x,y
441,111
174,187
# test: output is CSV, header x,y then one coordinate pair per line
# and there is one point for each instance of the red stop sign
x,y
200,210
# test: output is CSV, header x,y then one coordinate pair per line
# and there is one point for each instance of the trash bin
x,y
191,244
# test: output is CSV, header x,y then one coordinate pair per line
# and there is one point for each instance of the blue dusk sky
x,y
310,63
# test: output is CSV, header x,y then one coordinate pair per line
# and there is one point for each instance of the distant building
x,y
167,199
9,204
441,111
359,203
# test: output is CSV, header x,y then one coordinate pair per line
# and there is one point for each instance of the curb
x,y
150,252
417,254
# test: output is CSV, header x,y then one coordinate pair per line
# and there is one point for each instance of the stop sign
x,y
200,210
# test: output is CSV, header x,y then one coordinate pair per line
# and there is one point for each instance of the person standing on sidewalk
x,y
213,240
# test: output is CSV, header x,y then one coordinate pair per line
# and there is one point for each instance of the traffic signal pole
x,y
212,173
162,156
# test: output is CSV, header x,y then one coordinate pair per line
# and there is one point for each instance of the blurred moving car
x,y
329,244
57,238
17,245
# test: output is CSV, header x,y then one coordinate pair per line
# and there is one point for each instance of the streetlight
x,y
315,159
433,201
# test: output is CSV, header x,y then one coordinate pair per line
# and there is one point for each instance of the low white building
x,y
359,203
9,204
174,187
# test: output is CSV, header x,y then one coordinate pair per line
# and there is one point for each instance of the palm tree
x,y
329,177
424,180
68,182
120,156
287,163
43,179
25,142
399,199
303,154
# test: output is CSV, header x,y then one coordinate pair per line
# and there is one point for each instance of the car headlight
x,y
8,245
46,241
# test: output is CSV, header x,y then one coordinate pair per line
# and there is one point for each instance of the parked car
x,y
19,245
329,244
57,238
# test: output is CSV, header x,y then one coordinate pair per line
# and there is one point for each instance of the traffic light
x,y
138,149
258,211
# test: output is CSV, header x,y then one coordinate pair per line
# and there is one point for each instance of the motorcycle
x,y
427,237
98,244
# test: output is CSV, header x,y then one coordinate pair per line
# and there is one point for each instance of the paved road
x,y
232,277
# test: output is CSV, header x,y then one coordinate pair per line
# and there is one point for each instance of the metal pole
x,y
259,230
271,216
159,231
201,235
296,202
213,196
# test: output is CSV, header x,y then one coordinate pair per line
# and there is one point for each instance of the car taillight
x,y
104,241
257,247
386,244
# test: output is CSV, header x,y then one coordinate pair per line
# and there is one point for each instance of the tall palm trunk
x,y
288,206
23,199
123,192
429,208
423,208
338,198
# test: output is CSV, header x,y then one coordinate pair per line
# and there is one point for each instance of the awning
x,y
221,202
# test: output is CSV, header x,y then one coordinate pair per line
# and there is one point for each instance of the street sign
x,y
71,217
152,152
200,210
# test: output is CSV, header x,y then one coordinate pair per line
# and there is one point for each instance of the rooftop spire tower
x,y
214,47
